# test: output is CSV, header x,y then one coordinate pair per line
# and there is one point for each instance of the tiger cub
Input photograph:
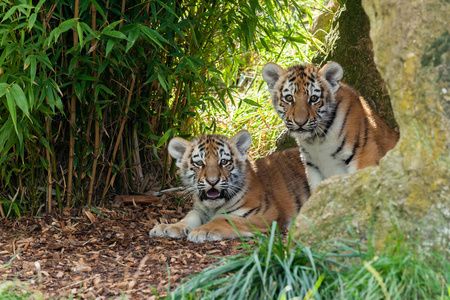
x,y
336,130
228,187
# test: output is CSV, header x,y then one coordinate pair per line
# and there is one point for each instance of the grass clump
x,y
12,290
276,267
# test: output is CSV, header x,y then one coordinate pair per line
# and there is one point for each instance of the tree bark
x,y
410,190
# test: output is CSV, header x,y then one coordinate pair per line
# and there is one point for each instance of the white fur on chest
x,y
321,155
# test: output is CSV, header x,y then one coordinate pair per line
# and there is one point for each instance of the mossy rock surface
x,y
409,192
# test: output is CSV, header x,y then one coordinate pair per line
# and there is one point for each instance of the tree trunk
x,y
349,44
410,189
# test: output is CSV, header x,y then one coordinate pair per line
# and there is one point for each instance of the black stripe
x,y
306,188
292,78
233,210
330,121
249,212
292,184
309,164
355,146
267,203
345,121
339,148
366,133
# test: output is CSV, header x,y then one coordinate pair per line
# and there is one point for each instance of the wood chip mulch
x,y
101,256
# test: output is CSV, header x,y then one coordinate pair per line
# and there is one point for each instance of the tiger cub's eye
x,y
313,98
199,164
224,162
289,98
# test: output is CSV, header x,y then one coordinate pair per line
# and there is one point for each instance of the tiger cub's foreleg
x,y
221,228
179,229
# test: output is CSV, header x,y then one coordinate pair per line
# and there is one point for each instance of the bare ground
x,y
91,255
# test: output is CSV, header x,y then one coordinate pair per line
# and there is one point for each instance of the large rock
x,y
410,189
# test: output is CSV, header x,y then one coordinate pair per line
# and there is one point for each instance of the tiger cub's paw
x,y
203,234
176,230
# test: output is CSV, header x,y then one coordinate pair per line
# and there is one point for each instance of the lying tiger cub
x,y
336,130
226,186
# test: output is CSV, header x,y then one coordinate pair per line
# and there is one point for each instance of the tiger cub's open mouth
x,y
212,194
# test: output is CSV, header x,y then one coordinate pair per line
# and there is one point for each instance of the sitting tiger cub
x,y
226,186
336,130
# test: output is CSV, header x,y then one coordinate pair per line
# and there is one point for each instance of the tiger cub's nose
x,y
300,124
213,181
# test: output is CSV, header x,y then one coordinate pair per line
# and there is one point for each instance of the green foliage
x,y
90,93
13,290
275,268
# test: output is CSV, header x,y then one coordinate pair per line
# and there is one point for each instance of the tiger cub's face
x,y
212,166
303,96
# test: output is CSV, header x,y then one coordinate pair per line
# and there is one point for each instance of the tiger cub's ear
x,y
177,147
332,72
271,73
242,140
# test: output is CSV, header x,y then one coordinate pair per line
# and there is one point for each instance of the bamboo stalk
x,y
73,111
94,165
49,167
137,157
177,97
123,167
48,129
122,10
119,136
96,124
2,212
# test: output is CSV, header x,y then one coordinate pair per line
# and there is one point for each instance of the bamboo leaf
x,y
99,9
153,35
38,6
132,37
32,68
115,34
50,97
11,105
80,34
5,133
167,8
251,102
78,90
32,20
66,25
3,88
9,13
107,90
109,45
16,209
86,77
45,143
297,39
103,66
162,81
19,98
164,138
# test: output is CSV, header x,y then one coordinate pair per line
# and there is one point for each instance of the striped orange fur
x,y
226,187
334,126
